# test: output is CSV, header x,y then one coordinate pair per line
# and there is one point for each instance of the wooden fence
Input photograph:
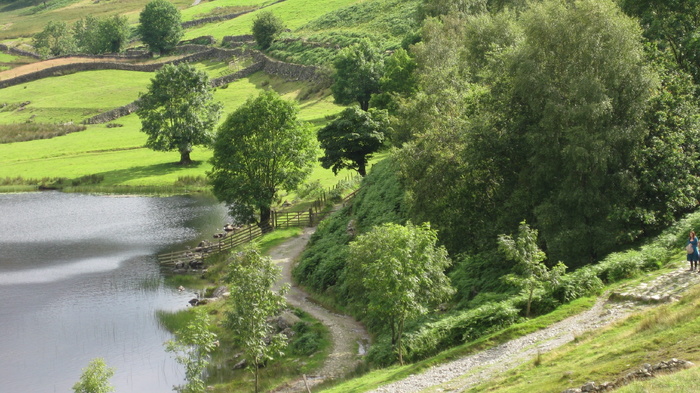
x,y
194,257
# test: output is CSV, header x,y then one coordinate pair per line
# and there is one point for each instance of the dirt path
x,y
349,337
464,373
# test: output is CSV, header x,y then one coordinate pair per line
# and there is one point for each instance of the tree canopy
x,y
95,378
260,149
350,140
178,111
266,28
400,270
358,69
160,26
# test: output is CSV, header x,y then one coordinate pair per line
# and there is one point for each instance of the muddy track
x,y
349,337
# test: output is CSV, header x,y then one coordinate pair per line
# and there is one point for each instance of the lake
x,y
79,279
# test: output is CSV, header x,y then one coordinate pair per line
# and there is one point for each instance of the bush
x,y
266,28
460,327
306,341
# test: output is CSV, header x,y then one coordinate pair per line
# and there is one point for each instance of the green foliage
x,y
450,330
95,378
160,26
55,40
178,111
399,270
192,347
252,304
357,72
673,26
534,274
260,149
266,28
306,341
322,265
350,140
96,35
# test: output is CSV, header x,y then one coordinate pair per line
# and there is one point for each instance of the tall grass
x,y
32,131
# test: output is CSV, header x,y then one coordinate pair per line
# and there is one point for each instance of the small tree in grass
x,y
400,269
253,302
95,378
178,112
192,347
266,28
529,257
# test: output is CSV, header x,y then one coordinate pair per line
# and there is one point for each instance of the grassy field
x,y
294,13
118,153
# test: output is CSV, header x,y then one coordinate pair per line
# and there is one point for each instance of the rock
x,y
589,387
219,291
239,365
286,320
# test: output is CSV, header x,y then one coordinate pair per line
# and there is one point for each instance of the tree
x,y
260,149
55,40
358,69
178,111
113,33
95,36
252,304
160,26
399,80
266,28
350,140
95,378
400,269
525,252
192,347
579,101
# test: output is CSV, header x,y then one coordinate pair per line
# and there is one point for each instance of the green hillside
x,y
550,148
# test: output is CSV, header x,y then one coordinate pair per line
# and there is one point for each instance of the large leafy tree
x,y
178,111
192,347
266,27
358,69
160,26
253,303
400,270
350,140
579,99
260,149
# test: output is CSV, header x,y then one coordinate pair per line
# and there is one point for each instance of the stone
x,y
286,320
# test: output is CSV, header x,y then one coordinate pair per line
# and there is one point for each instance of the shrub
x,y
460,327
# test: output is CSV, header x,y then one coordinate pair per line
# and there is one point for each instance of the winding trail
x,y
349,337
461,374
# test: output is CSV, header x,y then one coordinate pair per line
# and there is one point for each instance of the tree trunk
x,y
256,377
529,301
398,342
361,167
265,215
185,158
364,105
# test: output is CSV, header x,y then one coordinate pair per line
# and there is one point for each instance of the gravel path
x,y
349,337
461,374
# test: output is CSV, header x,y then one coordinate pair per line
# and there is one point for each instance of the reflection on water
x,y
79,280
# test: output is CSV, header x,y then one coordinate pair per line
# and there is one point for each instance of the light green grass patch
x,y
685,381
294,14
118,153
220,7
73,97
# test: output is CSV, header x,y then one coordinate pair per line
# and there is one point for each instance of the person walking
x,y
692,250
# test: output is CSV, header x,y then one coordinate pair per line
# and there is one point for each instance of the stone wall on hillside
x,y
20,52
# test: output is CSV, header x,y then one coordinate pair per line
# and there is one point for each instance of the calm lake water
x,y
79,279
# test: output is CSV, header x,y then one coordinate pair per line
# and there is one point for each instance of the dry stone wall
x,y
20,52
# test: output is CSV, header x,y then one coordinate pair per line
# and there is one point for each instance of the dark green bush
x,y
306,341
